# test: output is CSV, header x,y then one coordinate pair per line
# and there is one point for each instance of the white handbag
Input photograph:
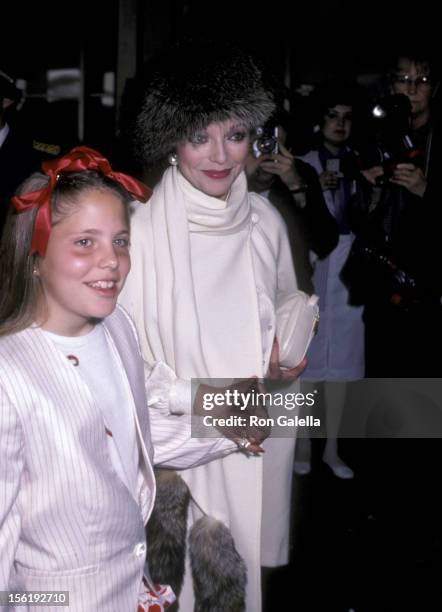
x,y
297,319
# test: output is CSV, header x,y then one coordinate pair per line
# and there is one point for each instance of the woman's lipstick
x,y
217,174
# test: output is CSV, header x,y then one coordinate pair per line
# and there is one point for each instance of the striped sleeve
x,y
11,468
170,421
174,446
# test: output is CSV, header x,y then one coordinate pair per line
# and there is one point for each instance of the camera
x,y
266,142
391,143
334,165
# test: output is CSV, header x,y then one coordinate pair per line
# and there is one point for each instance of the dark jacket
x,y
311,226
20,156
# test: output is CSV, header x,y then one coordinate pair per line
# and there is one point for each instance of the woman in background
x,y
336,354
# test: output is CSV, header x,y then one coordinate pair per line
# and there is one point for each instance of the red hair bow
x,y
78,159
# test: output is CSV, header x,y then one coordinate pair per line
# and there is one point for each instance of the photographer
x,y
396,215
293,188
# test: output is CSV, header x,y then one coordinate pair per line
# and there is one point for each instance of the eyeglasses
x,y
405,79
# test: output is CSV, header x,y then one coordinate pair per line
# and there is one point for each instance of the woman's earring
x,y
173,159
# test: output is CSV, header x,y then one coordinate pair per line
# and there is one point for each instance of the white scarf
x,y
206,319
198,264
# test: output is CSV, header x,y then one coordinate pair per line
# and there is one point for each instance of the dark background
x,y
346,554
302,41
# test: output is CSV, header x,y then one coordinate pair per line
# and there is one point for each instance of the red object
x,y
74,359
155,598
78,159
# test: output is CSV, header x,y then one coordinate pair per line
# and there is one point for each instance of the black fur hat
x,y
192,86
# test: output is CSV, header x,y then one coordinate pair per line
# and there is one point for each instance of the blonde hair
x,y
21,298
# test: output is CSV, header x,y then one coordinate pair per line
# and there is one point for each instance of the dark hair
x,y
339,92
332,93
21,293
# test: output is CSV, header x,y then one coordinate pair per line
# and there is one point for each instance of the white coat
x,y
67,521
251,499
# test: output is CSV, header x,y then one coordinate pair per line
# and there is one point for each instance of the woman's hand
x,y
235,402
275,372
411,177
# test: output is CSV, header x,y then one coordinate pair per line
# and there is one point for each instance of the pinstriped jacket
x,y
67,521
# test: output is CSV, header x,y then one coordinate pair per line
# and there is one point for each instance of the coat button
x,y
140,549
255,218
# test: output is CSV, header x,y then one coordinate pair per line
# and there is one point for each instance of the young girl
x,y
76,452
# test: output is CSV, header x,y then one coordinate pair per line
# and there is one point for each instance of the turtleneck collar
x,y
208,214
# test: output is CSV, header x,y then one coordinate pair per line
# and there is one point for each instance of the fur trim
x,y
219,574
192,86
166,530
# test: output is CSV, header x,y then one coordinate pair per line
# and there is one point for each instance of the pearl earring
x,y
173,159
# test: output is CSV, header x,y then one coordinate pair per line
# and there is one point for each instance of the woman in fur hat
x,y
208,260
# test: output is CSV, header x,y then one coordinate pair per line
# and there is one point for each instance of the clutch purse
x,y
297,319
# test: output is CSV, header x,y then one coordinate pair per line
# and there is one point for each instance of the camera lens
x,y
266,144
